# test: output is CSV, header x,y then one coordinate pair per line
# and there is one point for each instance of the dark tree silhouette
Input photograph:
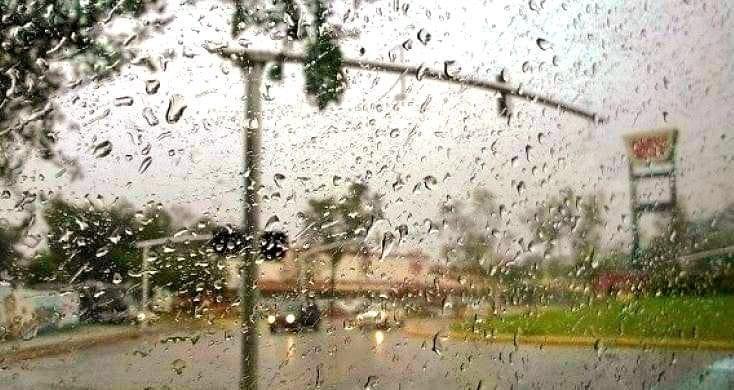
x,y
35,36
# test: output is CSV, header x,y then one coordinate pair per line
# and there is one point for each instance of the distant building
x,y
356,273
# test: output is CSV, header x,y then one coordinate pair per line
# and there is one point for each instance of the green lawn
x,y
702,318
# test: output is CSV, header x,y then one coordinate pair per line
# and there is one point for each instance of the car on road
x,y
377,317
349,307
105,303
294,316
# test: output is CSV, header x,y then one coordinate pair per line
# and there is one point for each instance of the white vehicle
x,y
351,306
162,301
378,317
25,312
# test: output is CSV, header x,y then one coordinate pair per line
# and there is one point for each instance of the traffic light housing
x,y
227,240
273,245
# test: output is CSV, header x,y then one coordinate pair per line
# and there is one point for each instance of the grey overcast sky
x,y
641,64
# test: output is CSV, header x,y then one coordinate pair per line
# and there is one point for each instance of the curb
x,y
579,341
18,352
14,353
600,342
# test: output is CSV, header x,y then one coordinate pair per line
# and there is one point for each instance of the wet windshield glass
x,y
377,194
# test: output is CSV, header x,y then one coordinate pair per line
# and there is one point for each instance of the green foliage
x,y
716,232
472,244
555,268
572,217
714,274
704,277
322,68
45,268
711,239
273,13
340,221
8,255
700,318
660,260
189,269
95,243
521,282
98,243
611,262
155,222
34,34
239,17
324,79
275,72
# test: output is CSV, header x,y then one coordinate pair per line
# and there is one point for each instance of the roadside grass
x,y
688,318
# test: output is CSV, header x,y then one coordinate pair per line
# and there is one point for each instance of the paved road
x,y
340,359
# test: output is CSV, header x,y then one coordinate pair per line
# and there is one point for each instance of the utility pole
x,y
252,72
146,288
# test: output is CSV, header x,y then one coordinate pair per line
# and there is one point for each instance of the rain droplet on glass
x,y
424,36
151,86
103,149
145,164
176,107
150,117
123,101
543,44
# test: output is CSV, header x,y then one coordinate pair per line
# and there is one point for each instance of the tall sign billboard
x,y
651,148
651,155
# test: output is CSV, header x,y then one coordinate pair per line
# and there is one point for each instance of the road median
x,y
66,341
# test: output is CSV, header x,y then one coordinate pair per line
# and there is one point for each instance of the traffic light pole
x,y
252,72
252,63
145,285
421,72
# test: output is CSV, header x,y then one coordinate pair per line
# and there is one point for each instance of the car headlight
x,y
290,318
271,319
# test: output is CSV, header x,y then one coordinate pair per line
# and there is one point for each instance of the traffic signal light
x,y
273,245
227,240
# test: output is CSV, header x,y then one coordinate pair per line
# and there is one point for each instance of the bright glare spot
x,y
291,344
290,318
379,337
